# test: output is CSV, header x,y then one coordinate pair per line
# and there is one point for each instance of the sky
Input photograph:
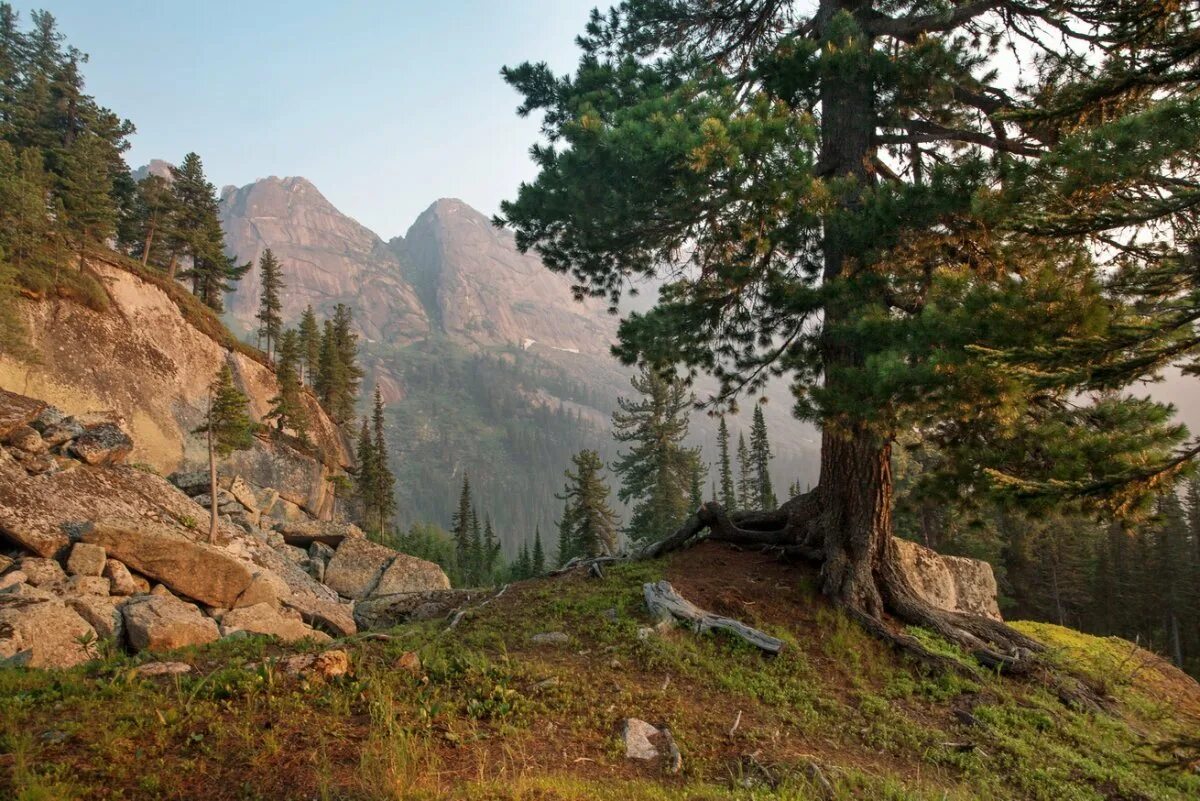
x,y
385,106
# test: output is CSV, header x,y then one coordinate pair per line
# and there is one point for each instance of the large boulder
x,y
287,625
42,572
954,583
161,622
360,568
17,411
102,444
102,613
196,570
330,616
191,482
42,633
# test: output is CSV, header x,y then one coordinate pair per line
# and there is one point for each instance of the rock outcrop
x,y
950,582
360,569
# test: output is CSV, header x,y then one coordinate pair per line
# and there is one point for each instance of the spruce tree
x,y
310,345
228,428
747,487
728,492
287,407
590,524
154,217
460,529
270,305
760,458
869,206
490,553
366,484
385,481
538,558
196,235
475,555
85,188
656,473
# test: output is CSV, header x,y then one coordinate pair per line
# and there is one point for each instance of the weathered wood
x,y
666,604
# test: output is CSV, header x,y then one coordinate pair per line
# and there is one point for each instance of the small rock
x,y
121,581
38,464
546,684
41,572
191,482
161,591
6,562
160,623
11,580
550,638
319,550
266,500
244,494
50,416
86,560
409,661
103,444
27,440
224,500
102,614
88,585
610,615
637,735
64,431
326,665
162,669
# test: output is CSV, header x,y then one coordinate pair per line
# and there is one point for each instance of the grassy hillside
x,y
490,715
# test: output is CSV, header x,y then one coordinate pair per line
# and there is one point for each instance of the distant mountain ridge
x,y
467,338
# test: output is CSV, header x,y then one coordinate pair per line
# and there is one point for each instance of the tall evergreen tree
x,y
460,529
154,212
310,345
366,482
490,553
270,304
867,205
568,548
287,407
538,557
86,190
385,481
590,524
728,491
760,457
656,473
747,487
228,428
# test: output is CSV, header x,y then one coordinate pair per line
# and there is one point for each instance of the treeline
x,y
65,186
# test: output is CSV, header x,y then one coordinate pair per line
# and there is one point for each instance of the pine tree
x,y
197,236
385,481
656,473
696,490
85,188
590,524
338,375
728,492
760,458
153,219
287,407
490,552
914,239
747,487
366,482
460,528
270,306
310,345
538,558
523,567
228,427
475,557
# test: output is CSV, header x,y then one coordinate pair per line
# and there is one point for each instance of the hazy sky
x,y
385,106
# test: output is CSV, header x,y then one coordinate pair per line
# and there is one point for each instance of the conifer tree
x,y
869,205
760,458
475,555
365,478
384,480
310,345
86,187
270,305
728,492
590,524
747,487
538,557
460,529
228,428
196,235
490,552
656,473
153,217
287,407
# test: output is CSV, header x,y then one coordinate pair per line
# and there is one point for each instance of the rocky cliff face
x,y
141,363
327,258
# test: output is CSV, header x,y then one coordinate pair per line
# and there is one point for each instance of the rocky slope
x,y
143,362
93,549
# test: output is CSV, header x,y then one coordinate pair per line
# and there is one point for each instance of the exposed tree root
x,y
869,592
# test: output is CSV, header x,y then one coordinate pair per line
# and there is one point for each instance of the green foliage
x,y
728,491
287,408
310,345
227,423
588,526
760,457
196,235
657,473
374,481
270,307
338,374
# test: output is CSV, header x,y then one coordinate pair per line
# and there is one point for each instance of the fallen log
x,y
667,604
